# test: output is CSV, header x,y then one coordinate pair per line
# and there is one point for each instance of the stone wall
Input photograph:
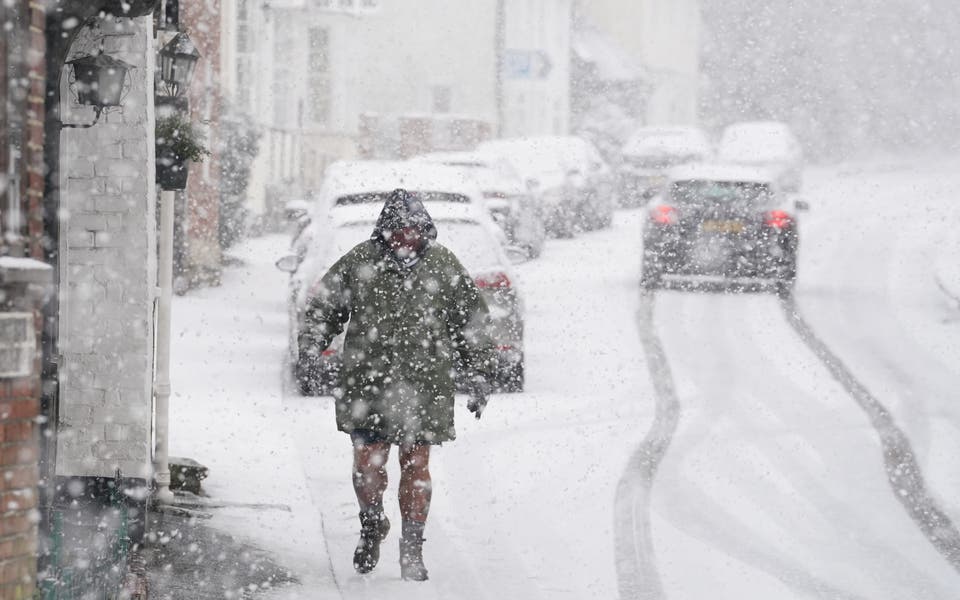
x,y
108,270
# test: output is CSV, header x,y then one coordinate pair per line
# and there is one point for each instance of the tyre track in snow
x,y
903,472
637,575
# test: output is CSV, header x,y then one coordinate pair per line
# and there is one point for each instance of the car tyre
x,y
650,275
787,275
513,381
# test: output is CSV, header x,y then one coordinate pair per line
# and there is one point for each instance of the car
x,y
464,227
767,144
545,177
518,212
721,222
650,152
589,183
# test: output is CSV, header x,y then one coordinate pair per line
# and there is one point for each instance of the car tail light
x,y
504,348
663,215
493,281
329,352
778,219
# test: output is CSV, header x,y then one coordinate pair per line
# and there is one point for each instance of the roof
x,y
439,211
721,172
356,177
609,59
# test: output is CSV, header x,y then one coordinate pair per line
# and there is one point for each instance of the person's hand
x,y
478,396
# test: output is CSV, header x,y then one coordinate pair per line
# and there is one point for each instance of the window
x,y
319,69
442,98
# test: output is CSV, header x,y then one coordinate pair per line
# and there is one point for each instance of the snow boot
x,y
411,552
374,527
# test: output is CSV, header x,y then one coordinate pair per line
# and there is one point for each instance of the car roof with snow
x,y
345,178
439,211
721,172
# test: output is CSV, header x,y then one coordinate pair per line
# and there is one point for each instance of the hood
x,y
403,209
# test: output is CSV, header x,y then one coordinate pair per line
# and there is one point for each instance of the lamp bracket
x,y
98,110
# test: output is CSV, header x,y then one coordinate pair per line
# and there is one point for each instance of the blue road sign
x,y
526,64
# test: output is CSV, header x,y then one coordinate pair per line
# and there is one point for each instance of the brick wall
x,y
22,49
108,272
19,405
201,21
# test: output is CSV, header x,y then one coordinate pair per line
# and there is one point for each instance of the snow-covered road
x,y
760,475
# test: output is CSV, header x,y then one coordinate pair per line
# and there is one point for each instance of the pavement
x,y
185,557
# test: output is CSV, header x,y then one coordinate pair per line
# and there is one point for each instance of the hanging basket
x,y
172,171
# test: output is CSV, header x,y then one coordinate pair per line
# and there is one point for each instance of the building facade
x,y
662,38
535,67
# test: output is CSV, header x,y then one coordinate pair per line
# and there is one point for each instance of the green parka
x,y
409,330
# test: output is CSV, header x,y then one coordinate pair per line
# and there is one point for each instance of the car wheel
x,y
512,382
787,275
650,275
308,379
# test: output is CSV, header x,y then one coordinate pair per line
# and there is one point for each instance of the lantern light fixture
x,y
99,81
178,60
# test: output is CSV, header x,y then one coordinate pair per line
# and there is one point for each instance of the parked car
x,y
652,151
517,211
767,144
589,183
726,222
464,226
545,178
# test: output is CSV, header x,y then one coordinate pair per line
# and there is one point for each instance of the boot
x,y
374,527
411,552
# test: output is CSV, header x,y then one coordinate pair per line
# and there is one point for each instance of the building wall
x,y
663,36
535,105
430,57
108,271
201,21
22,49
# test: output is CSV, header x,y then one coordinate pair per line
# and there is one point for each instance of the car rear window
x,y
381,197
711,192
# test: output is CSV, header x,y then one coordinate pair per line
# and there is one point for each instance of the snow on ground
x,y
868,286
774,486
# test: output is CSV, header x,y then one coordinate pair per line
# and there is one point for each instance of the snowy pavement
x,y
680,445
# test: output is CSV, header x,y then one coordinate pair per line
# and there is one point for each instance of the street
x,y
673,444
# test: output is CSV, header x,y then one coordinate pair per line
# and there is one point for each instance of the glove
x,y
478,396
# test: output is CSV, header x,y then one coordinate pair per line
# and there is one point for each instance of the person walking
x,y
414,318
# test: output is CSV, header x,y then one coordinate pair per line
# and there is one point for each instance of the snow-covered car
x,y
721,222
650,152
517,211
767,144
462,229
544,177
588,182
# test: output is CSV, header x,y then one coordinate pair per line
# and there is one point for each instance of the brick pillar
x,y
24,284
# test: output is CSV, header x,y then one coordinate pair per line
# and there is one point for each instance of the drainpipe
x,y
161,455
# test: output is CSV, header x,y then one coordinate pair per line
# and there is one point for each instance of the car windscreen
x,y
381,198
706,192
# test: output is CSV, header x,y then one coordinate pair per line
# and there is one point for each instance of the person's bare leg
x,y
370,474
369,483
415,493
415,484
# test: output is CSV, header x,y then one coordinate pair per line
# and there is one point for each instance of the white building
x,y
536,67
374,77
662,37
332,79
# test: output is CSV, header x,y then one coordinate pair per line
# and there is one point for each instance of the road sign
x,y
526,64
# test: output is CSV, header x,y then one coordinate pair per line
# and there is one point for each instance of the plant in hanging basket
x,y
177,143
